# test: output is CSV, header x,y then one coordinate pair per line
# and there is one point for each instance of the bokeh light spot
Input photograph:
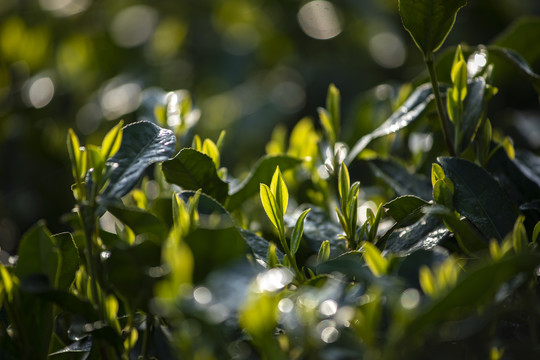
x,y
388,50
319,20
410,298
64,8
134,25
40,92
202,295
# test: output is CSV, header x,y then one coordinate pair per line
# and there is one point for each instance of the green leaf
x,y
429,21
271,258
262,173
519,235
536,232
69,263
332,105
129,270
403,206
519,36
476,287
344,183
259,247
271,207
139,220
324,252
279,189
443,193
374,260
143,144
298,230
211,149
327,125
38,254
518,62
193,170
111,142
480,198
412,109
516,176
469,238
400,179
473,109
425,233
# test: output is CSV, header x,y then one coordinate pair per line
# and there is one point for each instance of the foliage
x,y
171,254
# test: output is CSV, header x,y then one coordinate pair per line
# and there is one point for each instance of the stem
x,y
86,214
144,350
428,59
291,258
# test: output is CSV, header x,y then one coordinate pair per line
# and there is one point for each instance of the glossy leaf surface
x,y
143,144
480,198
193,170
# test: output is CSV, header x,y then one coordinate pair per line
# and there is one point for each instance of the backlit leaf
x,y
262,173
279,189
111,142
271,207
429,21
374,260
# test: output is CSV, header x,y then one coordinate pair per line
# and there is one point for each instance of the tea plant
x,y
172,256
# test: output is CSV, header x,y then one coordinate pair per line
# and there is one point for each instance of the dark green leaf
x,y
480,198
474,288
133,271
473,108
411,110
262,173
400,179
69,263
258,245
429,21
516,176
519,37
350,264
139,220
193,170
426,233
38,254
217,241
469,239
518,62
403,206
143,144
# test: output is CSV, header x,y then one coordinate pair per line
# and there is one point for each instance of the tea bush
x,y
173,256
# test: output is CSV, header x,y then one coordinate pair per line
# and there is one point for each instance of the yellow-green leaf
x,y
210,149
427,281
111,142
374,260
279,189
270,207
344,183
324,252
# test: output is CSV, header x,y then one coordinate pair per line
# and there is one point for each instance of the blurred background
x,y
249,65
